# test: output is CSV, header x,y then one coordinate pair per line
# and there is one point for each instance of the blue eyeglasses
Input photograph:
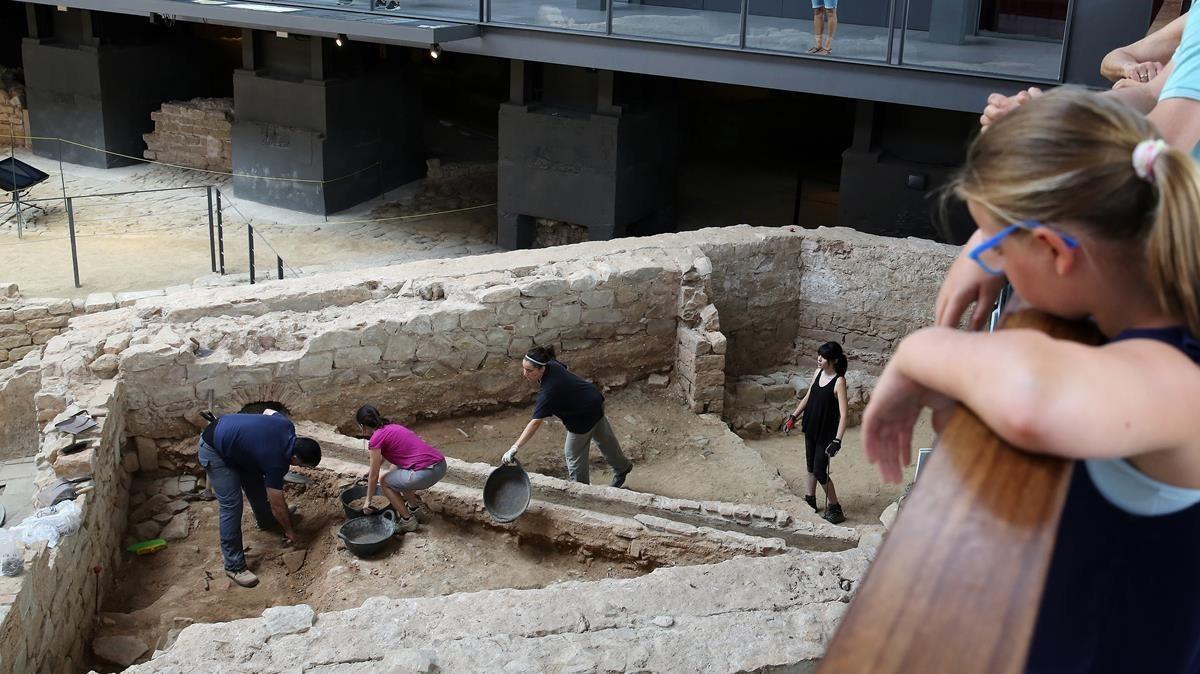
x,y
977,253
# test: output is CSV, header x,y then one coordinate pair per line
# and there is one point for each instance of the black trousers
x,y
815,457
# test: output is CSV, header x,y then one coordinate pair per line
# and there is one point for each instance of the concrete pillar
x,y
893,171
949,20
583,153
94,78
344,123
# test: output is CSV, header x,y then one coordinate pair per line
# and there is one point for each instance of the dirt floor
x,y
165,591
681,455
155,240
185,582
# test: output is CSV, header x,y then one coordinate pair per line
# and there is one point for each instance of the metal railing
x,y
215,205
900,22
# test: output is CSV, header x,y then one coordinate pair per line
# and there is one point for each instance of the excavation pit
x,y
158,594
744,574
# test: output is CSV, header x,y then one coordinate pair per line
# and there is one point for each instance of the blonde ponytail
x,y
1071,156
1173,244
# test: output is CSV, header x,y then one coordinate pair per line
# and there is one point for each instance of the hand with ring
x,y
1142,72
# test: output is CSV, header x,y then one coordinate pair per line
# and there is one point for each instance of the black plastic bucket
x,y
365,536
357,491
506,492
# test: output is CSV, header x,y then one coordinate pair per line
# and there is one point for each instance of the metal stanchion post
x,y
220,237
74,251
279,266
250,239
212,237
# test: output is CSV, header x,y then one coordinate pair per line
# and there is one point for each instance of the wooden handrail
x,y
1170,10
957,584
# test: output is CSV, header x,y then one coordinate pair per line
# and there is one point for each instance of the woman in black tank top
x,y
824,423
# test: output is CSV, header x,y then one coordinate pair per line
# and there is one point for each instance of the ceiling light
x,y
435,50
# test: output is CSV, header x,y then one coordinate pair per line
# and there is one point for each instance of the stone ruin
x,y
727,318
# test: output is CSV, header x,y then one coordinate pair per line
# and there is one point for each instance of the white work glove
x,y
510,455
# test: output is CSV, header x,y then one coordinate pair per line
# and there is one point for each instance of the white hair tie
x,y
1144,156
538,363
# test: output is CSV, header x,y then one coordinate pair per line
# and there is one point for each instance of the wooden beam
x,y
1170,10
957,584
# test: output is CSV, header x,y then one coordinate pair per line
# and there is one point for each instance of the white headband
x,y
535,362
1144,156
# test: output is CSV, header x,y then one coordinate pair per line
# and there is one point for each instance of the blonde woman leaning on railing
x,y
1088,214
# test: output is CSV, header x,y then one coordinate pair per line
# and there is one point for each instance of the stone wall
x,y
444,337
346,454
744,615
782,295
440,338
456,184
18,428
557,233
758,402
47,612
196,133
14,117
418,347
700,345
27,324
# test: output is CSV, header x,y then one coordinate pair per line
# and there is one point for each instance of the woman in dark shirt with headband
x,y
580,406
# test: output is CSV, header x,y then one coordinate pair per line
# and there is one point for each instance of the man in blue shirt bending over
x,y
251,453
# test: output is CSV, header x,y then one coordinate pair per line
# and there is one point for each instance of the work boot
x,y
619,478
405,525
833,514
420,511
812,501
245,577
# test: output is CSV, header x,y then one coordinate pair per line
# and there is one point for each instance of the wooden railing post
x,y
957,584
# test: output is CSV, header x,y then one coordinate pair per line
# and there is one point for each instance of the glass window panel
x,y
853,29
466,10
1022,38
583,15
707,21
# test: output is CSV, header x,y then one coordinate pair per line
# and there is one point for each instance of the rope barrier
x,y
24,242
314,224
396,217
246,223
191,168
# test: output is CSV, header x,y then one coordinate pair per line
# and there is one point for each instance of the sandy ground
x,y
158,239
676,453
679,454
186,583
144,261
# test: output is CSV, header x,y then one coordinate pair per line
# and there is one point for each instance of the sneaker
x,y
833,514
619,478
420,511
405,525
812,502
245,577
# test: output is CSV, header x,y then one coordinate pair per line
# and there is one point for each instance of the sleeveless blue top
x,y
1123,591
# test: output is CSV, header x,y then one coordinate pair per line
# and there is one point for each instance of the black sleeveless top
x,y
821,412
1123,591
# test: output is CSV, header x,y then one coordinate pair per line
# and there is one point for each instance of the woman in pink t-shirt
x,y
417,466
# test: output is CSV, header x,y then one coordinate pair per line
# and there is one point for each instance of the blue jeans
x,y
228,483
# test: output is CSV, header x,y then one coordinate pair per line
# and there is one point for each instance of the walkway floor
x,y
17,489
